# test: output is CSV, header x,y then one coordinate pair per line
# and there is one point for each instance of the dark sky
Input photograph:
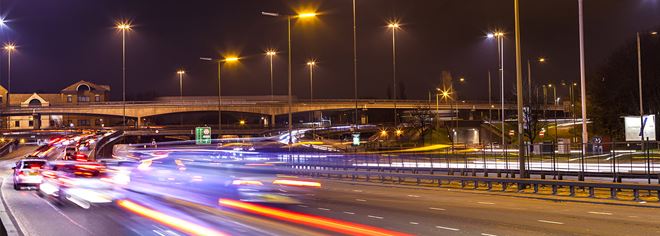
x,y
68,40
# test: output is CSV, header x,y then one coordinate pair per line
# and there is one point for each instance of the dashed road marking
x,y
486,203
413,223
360,200
437,209
410,195
357,190
350,213
375,217
323,209
550,222
485,234
600,213
447,228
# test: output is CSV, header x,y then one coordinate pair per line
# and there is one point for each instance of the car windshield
x,y
33,164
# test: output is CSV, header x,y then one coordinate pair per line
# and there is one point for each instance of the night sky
x,y
64,41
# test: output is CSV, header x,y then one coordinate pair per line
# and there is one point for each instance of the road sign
x,y
203,135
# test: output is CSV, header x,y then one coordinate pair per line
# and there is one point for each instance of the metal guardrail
x,y
8,147
476,182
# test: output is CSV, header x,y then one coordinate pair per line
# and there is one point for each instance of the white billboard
x,y
633,124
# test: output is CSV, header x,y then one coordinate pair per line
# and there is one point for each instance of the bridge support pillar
x,y
139,122
272,121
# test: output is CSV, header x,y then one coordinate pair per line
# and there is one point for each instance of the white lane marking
x,y
413,223
410,195
447,228
156,232
600,213
302,206
350,213
437,209
357,190
486,203
633,216
376,217
67,217
323,209
485,234
360,200
550,222
4,215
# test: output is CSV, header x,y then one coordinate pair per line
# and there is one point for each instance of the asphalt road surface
x,y
413,210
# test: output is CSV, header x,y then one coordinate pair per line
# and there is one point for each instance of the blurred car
x,y
26,172
70,152
82,183
270,189
206,182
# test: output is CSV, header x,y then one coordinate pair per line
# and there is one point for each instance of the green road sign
x,y
203,135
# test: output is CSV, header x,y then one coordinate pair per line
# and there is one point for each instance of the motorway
x,y
406,209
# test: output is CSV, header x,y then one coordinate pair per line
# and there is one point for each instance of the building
x,y
81,92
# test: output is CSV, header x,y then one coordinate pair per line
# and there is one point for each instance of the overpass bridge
x,y
142,109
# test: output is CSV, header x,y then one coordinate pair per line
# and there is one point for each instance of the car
x,y
27,172
81,183
70,152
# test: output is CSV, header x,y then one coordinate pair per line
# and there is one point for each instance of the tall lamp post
x,y
500,50
311,64
394,26
180,73
231,59
123,27
9,48
639,76
270,53
288,21
529,78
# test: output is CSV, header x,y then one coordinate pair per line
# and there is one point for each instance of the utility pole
x,y
519,93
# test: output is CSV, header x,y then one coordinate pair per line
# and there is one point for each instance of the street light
x,y
181,73
499,36
540,60
288,21
270,53
123,26
639,75
394,26
230,59
311,64
9,48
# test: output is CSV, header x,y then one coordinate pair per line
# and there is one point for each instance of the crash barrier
x,y
488,182
100,145
8,146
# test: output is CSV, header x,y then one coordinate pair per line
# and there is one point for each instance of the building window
x,y
69,99
17,123
0,99
83,99
83,122
97,98
30,123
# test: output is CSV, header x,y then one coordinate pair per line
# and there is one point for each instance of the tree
x,y
613,88
533,122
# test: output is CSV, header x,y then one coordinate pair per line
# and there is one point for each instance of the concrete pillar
x,y
272,121
139,121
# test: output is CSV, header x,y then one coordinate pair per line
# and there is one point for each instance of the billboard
x,y
632,126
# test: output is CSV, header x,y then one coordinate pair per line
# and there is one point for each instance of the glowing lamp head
x,y
399,132
541,59
311,63
393,25
181,72
461,79
307,14
271,53
652,33
241,122
3,22
231,59
123,26
9,47
490,35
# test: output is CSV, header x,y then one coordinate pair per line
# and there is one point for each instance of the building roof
x,y
92,86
